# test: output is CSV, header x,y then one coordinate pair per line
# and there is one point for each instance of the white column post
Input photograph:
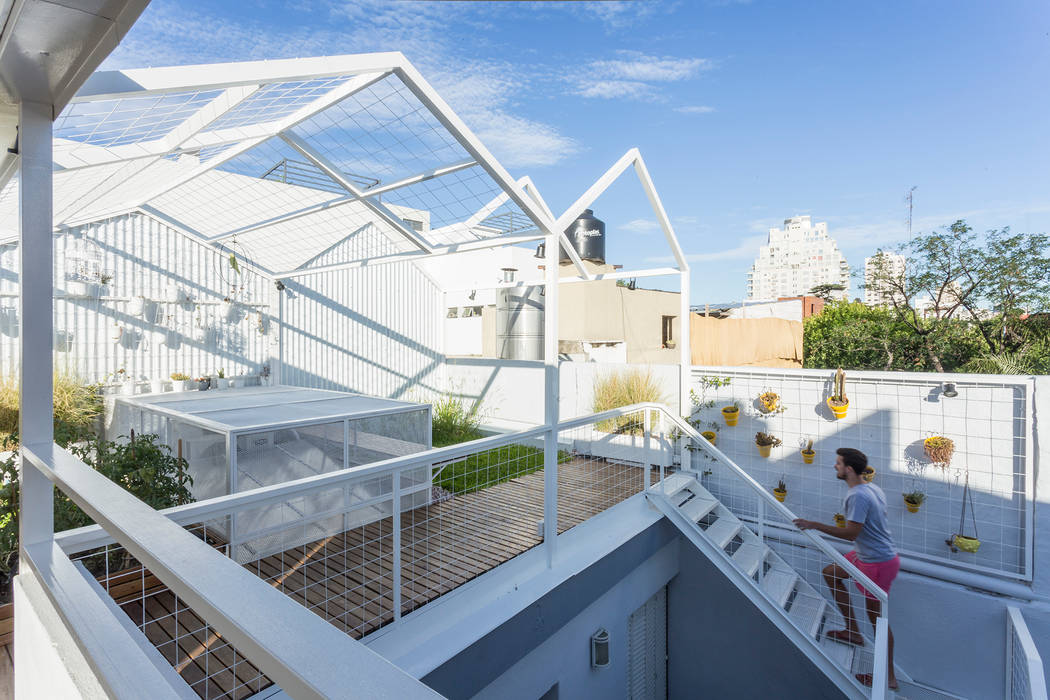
x,y
550,399
647,432
36,315
686,357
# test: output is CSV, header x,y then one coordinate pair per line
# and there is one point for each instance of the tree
x,y
951,275
826,291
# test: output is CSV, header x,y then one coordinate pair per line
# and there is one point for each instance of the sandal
x,y
865,679
845,637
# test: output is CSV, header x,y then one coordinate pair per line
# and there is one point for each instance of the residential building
x,y
797,258
878,270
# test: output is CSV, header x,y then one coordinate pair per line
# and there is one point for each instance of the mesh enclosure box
x,y
243,439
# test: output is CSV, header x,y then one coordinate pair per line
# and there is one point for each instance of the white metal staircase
x,y
752,540
800,610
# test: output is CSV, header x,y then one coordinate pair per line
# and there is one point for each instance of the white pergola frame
x,y
232,604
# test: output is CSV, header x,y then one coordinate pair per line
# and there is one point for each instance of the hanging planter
x,y
710,435
766,443
731,414
868,475
939,449
234,310
837,402
9,321
780,492
913,501
840,520
959,541
808,453
136,305
63,341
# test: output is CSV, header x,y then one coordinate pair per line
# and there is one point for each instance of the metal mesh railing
x,y
1025,679
798,574
337,544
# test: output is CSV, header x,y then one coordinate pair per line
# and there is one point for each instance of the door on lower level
x,y
647,649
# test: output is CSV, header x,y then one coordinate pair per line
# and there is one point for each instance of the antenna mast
x,y
908,199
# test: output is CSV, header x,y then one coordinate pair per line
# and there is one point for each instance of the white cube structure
x,y
261,436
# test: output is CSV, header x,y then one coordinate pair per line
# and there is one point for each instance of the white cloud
x,y
694,109
746,250
633,75
637,226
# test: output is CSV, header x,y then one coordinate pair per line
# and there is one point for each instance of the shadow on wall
x,y
991,453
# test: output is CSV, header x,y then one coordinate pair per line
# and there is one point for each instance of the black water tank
x,y
587,236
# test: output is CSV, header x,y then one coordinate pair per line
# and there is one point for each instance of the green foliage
x,y
854,336
141,466
826,291
492,467
76,407
453,422
625,388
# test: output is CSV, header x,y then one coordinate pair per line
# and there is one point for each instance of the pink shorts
x,y
881,572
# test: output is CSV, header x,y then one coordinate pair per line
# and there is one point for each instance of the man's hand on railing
x,y
849,532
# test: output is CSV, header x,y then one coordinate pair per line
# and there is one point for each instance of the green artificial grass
x,y
491,467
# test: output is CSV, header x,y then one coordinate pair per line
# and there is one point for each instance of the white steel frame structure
x,y
149,160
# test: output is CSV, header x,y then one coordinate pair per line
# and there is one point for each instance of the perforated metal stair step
x,y
842,654
808,613
671,485
723,530
749,556
698,507
778,584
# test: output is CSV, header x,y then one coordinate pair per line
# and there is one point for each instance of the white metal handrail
x,y
1023,657
91,536
880,670
229,597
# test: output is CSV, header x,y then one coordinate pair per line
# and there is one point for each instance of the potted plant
x,y
156,386
181,382
766,443
840,520
731,413
203,383
868,475
220,381
808,453
939,449
838,402
913,500
710,435
671,344
769,402
781,490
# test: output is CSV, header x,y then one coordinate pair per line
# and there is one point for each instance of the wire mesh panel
x,y
986,483
607,462
1025,678
210,665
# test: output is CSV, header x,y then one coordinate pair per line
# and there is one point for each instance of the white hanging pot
x,y
173,339
63,341
150,311
234,311
136,305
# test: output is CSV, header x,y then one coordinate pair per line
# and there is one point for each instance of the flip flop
x,y
865,679
844,637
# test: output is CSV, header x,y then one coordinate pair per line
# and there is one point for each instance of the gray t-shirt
x,y
866,504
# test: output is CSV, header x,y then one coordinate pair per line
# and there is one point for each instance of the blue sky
x,y
746,112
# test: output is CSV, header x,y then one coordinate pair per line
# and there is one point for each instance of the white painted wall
x,y
376,330
151,264
889,416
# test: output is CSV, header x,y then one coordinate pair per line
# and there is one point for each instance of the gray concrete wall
x,y
720,646
549,642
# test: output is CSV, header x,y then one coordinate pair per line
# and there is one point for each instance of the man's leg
x,y
835,576
874,608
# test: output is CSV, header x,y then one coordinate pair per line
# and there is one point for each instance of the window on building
x,y
667,325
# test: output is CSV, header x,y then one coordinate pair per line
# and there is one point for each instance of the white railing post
x,y
647,447
551,395
880,673
35,315
397,546
761,534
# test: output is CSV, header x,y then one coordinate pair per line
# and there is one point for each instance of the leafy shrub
x,y
624,388
453,422
492,467
141,466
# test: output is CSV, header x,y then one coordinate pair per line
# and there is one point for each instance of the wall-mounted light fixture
x,y
541,251
473,293
280,285
600,649
949,390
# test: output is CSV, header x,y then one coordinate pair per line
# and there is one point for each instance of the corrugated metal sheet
x,y
372,330
163,311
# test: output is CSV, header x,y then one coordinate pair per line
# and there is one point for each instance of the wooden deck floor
x,y
347,578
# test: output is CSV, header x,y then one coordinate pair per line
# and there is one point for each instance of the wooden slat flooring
x,y
347,578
